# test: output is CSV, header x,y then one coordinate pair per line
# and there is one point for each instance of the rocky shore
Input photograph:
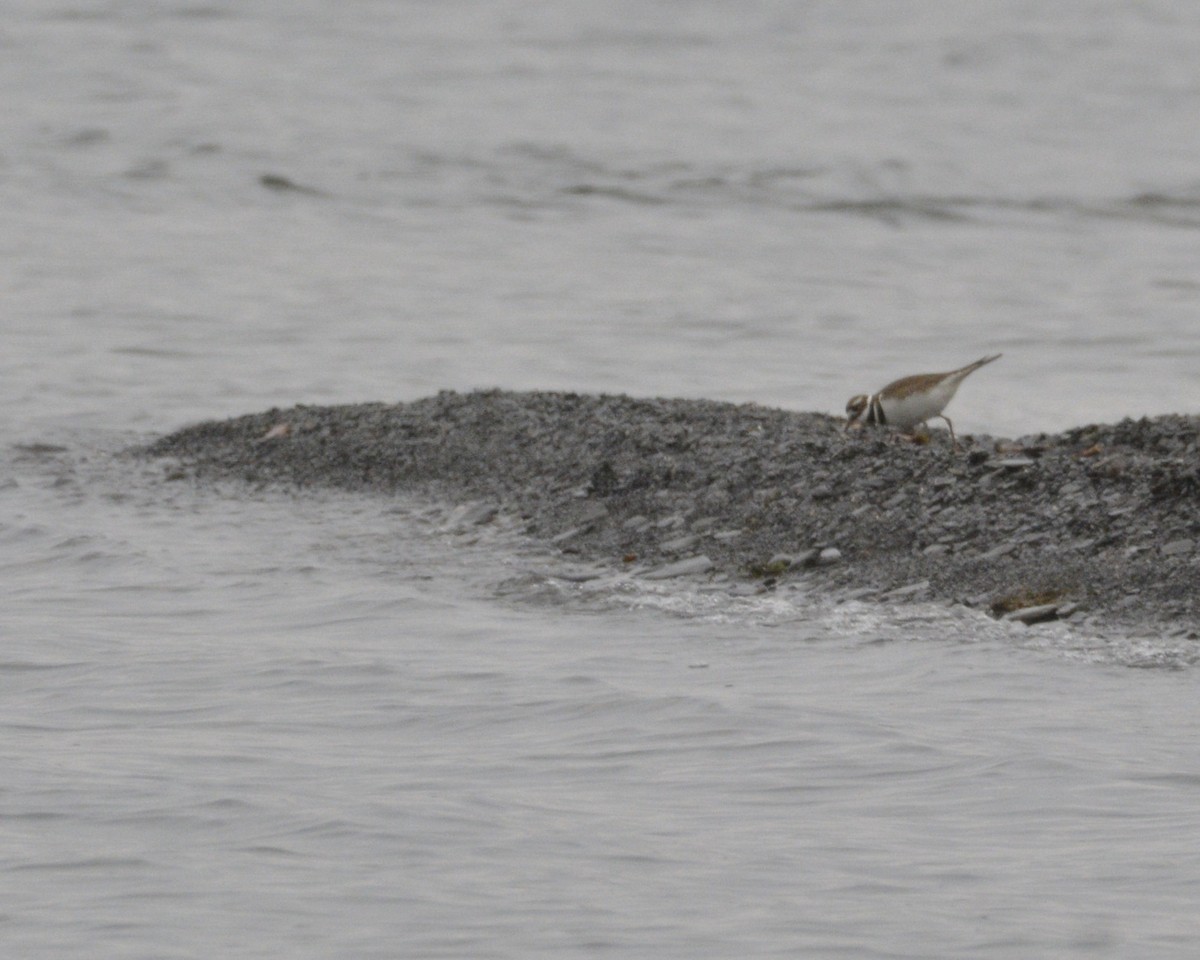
x,y
1100,523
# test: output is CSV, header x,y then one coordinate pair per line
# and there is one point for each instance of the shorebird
x,y
911,401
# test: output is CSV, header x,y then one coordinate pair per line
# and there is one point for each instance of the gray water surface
x,y
249,723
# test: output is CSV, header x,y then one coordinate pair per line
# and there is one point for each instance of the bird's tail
x,y
972,367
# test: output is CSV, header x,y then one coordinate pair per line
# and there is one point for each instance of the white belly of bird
x,y
906,412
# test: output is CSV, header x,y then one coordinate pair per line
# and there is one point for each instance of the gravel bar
x,y
1100,524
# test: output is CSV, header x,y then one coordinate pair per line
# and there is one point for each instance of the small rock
x,y
807,558
468,515
1178,548
679,544
479,514
1030,615
593,512
904,593
573,573
829,556
936,550
997,552
725,536
680,568
567,535
1013,463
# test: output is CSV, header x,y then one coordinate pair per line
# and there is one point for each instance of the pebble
x,y
680,568
1178,548
904,593
1013,463
1038,614
593,512
467,515
679,544
829,556
807,558
573,573
997,552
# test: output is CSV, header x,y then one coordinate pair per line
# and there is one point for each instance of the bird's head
x,y
856,406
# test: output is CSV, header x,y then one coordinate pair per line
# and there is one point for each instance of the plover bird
x,y
910,401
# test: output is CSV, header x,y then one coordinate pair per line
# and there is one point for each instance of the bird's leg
x,y
953,438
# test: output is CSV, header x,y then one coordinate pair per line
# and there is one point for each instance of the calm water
x,y
248,724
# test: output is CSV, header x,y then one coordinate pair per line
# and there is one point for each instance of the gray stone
x,y
907,592
593,512
692,566
1037,614
468,515
679,544
1013,463
859,593
1178,548
807,558
997,552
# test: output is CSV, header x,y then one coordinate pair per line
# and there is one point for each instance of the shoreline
x,y
1100,524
